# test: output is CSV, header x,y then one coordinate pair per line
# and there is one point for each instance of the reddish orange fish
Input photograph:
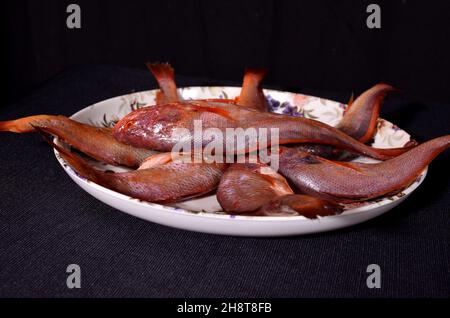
x,y
359,121
256,189
346,182
251,96
96,142
165,76
163,126
164,181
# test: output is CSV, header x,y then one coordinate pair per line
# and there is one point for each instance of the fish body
x,y
96,142
245,187
156,127
255,189
164,181
348,181
161,127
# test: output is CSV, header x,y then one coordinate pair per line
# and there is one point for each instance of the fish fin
x,y
23,125
196,106
313,159
351,100
156,160
348,165
277,182
360,118
252,95
411,143
388,153
256,74
268,178
160,98
162,71
384,89
221,100
165,76
299,204
78,164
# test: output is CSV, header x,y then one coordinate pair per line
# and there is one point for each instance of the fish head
x,y
158,128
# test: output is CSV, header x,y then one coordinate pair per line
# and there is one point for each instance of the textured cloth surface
x,y
47,222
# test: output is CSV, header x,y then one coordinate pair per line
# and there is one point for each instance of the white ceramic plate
x,y
204,214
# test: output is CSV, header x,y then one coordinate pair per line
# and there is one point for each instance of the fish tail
x,y
165,76
404,169
360,120
423,154
162,71
351,100
24,125
255,74
252,95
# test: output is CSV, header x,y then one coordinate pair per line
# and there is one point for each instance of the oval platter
x,y
205,214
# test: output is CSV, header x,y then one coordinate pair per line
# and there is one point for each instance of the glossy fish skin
x,y
162,183
255,189
360,119
154,127
166,183
347,182
299,204
246,187
95,142
165,76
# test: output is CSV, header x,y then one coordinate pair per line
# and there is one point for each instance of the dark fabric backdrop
x,y
47,222
317,47
304,44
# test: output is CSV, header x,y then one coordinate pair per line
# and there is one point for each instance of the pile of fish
x,y
312,180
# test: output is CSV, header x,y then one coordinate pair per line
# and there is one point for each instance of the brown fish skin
x,y
246,187
347,182
360,119
171,182
252,95
325,151
299,204
165,183
96,142
359,122
304,130
154,127
165,76
255,189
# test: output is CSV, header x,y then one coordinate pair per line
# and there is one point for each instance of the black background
x,y
323,45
